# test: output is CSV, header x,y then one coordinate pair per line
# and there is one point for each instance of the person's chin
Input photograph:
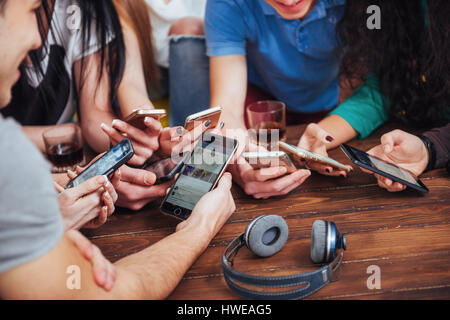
x,y
294,13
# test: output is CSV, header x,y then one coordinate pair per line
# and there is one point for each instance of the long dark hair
x,y
410,55
99,18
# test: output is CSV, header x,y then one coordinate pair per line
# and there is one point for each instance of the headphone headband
x,y
313,280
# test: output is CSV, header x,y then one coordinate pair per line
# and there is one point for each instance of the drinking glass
x,y
64,147
267,121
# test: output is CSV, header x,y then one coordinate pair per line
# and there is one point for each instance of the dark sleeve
x,y
440,137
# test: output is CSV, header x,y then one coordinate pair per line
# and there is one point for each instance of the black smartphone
x,y
199,175
106,165
383,168
166,169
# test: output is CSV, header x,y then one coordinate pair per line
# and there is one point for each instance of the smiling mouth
x,y
292,7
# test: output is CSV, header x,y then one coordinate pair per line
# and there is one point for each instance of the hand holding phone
x,y
166,169
107,164
217,205
199,174
212,115
383,168
137,117
177,140
143,129
311,156
317,140
259,160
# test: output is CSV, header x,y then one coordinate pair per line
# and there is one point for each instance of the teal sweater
x,y
364,110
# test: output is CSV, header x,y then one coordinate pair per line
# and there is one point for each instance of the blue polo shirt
x,y
297,61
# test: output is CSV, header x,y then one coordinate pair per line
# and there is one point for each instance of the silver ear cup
x,y
319,241
266,235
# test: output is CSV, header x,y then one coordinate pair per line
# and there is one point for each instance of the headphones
x,y
265,236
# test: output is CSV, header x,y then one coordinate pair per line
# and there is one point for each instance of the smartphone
x,y
259,160
383,168
305,154
199,175
106,165
166,169
136,118
212,114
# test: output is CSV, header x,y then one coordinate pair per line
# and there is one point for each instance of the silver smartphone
x,y
305,154
136,118
259,160
212,114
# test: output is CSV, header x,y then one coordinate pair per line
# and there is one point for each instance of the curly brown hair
x,y
409,55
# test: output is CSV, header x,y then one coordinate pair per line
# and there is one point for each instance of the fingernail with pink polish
x,y
329,139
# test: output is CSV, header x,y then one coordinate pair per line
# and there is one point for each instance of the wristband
x,y
431,152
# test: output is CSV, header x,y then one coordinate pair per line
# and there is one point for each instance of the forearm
x,y
132,92
132,96
156,271
150,274
92,132
365,110
232,113
339,129
228,77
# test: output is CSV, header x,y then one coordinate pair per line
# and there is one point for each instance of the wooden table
x,y
406,235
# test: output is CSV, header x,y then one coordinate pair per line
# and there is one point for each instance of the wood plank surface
x,y
407,235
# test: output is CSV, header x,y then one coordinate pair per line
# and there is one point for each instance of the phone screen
x,y
118,155
166,169
382,166
198,175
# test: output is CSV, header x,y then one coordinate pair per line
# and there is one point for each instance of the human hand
x,y
177,140
266,182
136,188
145,142
214,208
87,205
104,271
405,151
317,140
